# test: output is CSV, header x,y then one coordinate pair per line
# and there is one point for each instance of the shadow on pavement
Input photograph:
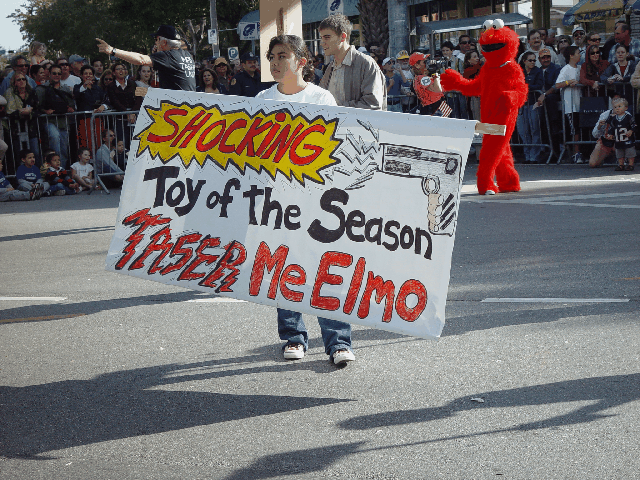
x,y
602,392
53,416
296,463
58,233
87,308
535,314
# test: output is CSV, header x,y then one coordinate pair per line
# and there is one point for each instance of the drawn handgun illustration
x,y
441,177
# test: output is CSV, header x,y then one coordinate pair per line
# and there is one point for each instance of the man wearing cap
x,y
404,69
394,83
550,98
426,87
175,66
579,37
247,82
622,34
76,62
353,78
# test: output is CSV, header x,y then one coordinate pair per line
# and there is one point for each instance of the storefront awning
x,y
591,10
474,23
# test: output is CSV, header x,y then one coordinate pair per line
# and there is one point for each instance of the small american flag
x,y
444,110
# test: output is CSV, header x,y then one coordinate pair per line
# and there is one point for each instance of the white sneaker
x,y
341,357
294,351
577,158
489,192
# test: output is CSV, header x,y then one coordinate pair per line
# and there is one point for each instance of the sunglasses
x,y
595,53
563,41
544,57
578,34
464,43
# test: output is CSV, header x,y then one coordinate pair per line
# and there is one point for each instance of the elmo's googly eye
x,y
498,24
487,24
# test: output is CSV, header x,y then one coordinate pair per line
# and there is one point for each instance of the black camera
x,y
434,66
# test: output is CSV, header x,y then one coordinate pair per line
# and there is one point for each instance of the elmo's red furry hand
x,y
502,91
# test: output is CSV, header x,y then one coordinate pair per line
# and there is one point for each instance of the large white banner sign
x,y
344,213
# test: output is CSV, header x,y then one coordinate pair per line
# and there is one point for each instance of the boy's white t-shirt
x,y
82,170
571,95
311,94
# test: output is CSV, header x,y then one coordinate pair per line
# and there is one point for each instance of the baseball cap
x,y
75,58
416,57
385,61
544,50
220,60
167,31
577,28
248,56
402,55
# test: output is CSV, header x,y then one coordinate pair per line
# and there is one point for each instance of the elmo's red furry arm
x,y
452,80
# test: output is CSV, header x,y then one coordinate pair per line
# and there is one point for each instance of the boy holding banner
x,y
291,67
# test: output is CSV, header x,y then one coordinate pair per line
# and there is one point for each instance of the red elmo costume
x,y
502,91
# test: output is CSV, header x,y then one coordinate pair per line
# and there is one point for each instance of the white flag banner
x,y
345,213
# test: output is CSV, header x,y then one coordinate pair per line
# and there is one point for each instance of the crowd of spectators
x,y
38,93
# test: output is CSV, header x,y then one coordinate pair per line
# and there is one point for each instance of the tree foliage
x,y
71,26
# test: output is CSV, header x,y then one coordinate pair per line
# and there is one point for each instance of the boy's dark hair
x,y
81,150
34,69
87,67
299,50
25,152
448,45
570,50
50,156
338,23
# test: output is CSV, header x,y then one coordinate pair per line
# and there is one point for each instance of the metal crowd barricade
x,y
577,128
107,160
540,117
41,134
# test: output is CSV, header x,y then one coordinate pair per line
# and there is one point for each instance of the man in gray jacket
x,y
353,78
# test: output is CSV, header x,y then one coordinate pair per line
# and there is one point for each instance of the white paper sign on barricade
x,y
345,213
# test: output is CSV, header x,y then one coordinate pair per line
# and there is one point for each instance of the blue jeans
x,y
528,124
336,335
59,141
59,186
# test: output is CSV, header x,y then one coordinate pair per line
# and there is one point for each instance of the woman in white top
x,y
291,67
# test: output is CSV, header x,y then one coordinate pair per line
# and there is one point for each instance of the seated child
x,y
121,155
59,179
621,129
8,193
82,170
27,174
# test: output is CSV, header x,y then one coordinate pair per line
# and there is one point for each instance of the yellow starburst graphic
x,y
297,147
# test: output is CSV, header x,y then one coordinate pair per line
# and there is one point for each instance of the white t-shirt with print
x,y
571,95
311,94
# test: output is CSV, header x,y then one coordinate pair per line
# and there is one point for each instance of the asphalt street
x,y
536,376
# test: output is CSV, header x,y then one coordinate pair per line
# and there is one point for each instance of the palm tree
x,y
374,23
